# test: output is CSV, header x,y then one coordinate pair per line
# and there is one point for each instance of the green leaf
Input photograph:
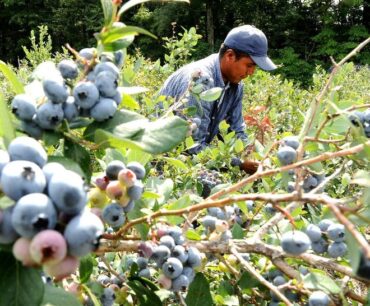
x,y
118,33
80,155
15,83
86,268
319,280
132,3
247,281
354,251
238,146
123,116
211,94
152,137
19,285
132,90
199,293
193,235
361,178
6,127
108,11
144,292
237,231
129,102
54,296
176,163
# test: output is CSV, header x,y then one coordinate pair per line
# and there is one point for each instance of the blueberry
x,y
135,192
318,298
50,169
66,189
27,148
172,268
130,206
270,209
7,231
314,232
106,83
168,241
31,128
103,279
104,109
55,90
4,159
320,246
83,233
24,107
213,211
70,109
68,69
303,270
107,66
87,53
21,177
250,205
119,57
86,95
235,162
118,98
138,169
113,215
291,187
291,141
160,254
142,262
337,249
324,224
336,232
180,283
209,222
194,257
189,273
279,280
295,242
180,253
49,115
113,168
108,297
309,183
33,213
144,273
286,155
175,232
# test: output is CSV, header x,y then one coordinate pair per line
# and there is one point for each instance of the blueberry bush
x,y
101,204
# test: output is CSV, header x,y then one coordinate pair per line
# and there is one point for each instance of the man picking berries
x,y
244,48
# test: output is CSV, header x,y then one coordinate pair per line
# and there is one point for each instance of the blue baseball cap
x,y
252,41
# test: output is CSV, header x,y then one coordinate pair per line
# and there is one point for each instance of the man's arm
x,y
235,117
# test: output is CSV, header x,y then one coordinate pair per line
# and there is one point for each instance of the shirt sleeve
x,y
235,117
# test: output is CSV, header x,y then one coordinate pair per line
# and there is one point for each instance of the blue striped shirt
x,y
228,107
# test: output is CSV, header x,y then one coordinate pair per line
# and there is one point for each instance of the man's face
x,y
234,70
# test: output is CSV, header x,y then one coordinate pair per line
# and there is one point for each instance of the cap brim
x,y
264,62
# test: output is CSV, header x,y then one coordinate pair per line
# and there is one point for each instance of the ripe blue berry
x,y
49,115
68,69
138,169
337,249
291,141
318,298
27,148
24,107
180,283
172,268
22,177
286,155
324,224
66,189
33,213
83,233
104,109
314,232
86,95
55,90
113,215
295,242
336,232
135,192
113,168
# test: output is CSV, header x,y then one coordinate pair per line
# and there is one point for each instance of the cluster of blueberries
x,y
209,179
287,154
175,261
116,192
62,97
298,242
218,221
364,120
47,222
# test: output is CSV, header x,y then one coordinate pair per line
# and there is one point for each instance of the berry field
x,y
102,204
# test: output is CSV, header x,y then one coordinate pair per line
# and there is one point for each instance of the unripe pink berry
x,y
48,246
127,177
164,282
221,225
102,182
115,190
63,268
21,251
97,197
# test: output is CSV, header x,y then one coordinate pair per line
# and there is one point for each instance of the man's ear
x,y
230,55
